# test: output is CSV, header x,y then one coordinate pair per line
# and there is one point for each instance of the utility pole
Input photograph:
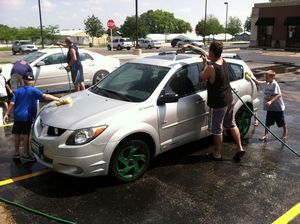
x,y
204,30
136,25
41,24
226,3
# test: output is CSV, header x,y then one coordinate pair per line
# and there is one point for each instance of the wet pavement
x,y
181,186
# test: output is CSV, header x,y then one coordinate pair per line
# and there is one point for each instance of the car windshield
x,y
25,42
33,56
131,82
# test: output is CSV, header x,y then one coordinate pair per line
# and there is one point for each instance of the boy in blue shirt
x,y
24,103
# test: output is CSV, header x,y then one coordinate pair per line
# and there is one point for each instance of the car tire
x,y
109,47
14,53
99,75
119,48
243,120
128,48
149,47
129,161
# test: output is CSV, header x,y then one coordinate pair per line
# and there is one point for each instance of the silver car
x,y
145,107
23,46
149,44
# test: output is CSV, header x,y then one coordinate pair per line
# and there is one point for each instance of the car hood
x,y
86,110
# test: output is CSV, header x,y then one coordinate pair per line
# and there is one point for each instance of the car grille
x,y
53,131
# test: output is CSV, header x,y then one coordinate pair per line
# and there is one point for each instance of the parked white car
x,y
49,68
120,43
145,107
149,44
23,46
197,43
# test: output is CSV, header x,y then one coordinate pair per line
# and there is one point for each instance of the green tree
x,y
128,28
154,21
51,33
213,26
7,33
93,27
28,33
247,25
115,31
279,1
234,25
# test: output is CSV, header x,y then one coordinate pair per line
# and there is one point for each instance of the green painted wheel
x,y
243,121
130,161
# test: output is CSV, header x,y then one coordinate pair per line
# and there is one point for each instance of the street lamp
x,y
41,25
226,3
204,21
136,24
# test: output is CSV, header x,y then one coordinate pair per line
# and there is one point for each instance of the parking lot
x,y
181,186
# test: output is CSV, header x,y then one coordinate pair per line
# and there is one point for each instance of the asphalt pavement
x,y
181,186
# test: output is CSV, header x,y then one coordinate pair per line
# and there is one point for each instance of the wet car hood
x,y
86,110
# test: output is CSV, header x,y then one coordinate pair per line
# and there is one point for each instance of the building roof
x,y
73,33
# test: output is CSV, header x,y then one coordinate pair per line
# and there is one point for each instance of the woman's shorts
x,y
219,118
21,127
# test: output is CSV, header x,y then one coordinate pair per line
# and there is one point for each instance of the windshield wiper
x,y
110,93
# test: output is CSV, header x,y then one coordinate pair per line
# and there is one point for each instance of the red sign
x,y
111,24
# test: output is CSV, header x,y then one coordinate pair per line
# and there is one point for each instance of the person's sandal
x,y
237,157
211,156
29,159
264,139
16,156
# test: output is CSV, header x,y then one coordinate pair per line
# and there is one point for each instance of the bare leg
x,y
285,132
82,86
77,87
26,145
266,136
235,132
218,139
17,144
6,106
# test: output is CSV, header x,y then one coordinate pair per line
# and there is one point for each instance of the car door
x,y
51,75
187,119
89,67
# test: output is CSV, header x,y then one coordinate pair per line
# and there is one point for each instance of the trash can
x,y
91,44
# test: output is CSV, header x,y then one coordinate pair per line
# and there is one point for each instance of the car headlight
x,y
85,135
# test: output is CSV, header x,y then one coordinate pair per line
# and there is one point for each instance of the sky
x,y
70,14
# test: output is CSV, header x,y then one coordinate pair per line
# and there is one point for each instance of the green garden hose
x,y
36,212
286,145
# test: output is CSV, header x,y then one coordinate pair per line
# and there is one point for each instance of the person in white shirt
x,y
273,103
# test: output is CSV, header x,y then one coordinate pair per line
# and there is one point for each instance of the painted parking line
x,y
289,215
6,125
27,176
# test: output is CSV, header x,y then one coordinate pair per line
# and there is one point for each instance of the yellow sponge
x,y
248,76
65,101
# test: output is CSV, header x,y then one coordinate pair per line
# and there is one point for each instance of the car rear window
x,y
236,70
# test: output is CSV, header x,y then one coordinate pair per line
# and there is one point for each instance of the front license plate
x,y
36,147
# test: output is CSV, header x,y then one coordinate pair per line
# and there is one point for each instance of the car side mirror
x,y
40,63
167,98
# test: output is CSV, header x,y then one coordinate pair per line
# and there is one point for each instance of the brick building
x,y
276,25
